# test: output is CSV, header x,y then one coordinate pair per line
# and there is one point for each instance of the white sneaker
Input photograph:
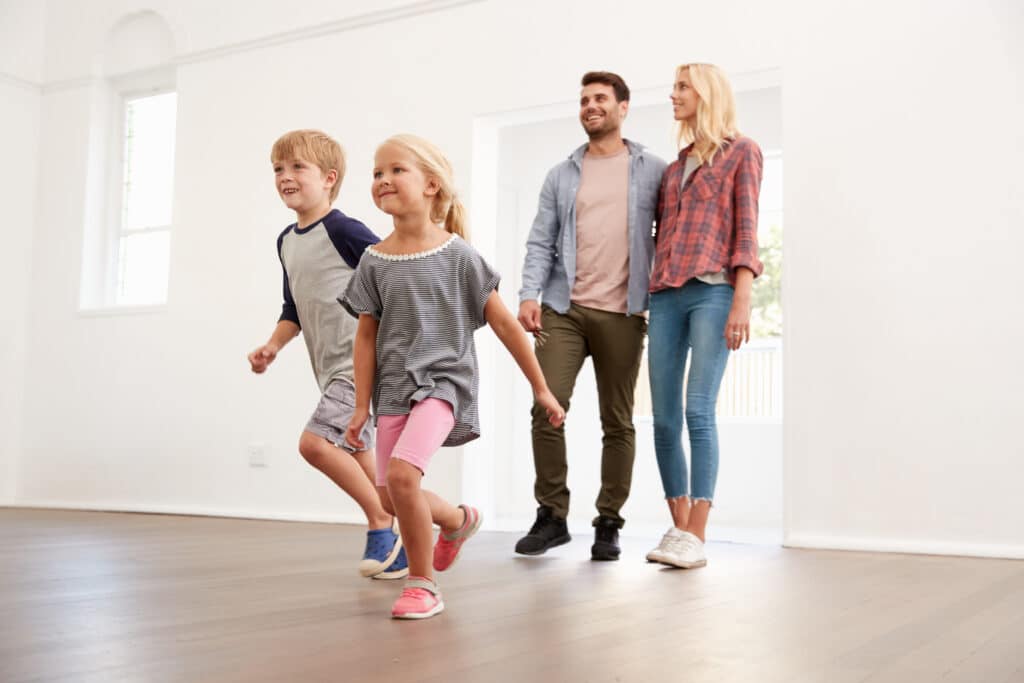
x,y
671,536
686,552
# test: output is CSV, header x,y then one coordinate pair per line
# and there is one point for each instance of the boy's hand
x,y
262,357
556,416
355,428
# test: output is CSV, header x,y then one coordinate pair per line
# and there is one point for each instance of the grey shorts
x,y
332,415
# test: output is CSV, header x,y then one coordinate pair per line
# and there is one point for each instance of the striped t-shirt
x,y
428,306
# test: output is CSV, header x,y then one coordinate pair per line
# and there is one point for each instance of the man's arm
x,y
540,254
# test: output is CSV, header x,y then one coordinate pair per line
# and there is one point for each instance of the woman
x,y
705,261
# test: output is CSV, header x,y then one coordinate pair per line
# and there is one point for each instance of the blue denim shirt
x,y
550,267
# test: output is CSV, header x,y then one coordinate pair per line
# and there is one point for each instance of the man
x,y
588,258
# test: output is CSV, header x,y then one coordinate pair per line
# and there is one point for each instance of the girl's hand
x,y
556,416
355,428
737,326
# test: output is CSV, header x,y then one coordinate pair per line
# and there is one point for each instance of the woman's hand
x,y
556,416
737,326
355,428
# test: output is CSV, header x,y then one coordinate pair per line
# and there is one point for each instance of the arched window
x,y
126,260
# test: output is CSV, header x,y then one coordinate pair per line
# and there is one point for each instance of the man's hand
x,y
529,316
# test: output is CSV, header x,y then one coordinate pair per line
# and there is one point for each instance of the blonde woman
x,y
705,261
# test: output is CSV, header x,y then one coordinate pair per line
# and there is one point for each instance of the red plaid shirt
x,y
711,223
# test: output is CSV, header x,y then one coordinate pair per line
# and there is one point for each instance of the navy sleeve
x,y
350,237
288,310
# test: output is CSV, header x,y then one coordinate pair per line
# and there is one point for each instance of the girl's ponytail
x,y
455,221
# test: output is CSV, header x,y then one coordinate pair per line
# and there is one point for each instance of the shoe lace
x,y
414,593
679,543
542,522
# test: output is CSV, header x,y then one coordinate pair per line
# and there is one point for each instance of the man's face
x,y
600,112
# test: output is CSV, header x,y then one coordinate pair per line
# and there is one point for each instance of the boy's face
x,y
302,185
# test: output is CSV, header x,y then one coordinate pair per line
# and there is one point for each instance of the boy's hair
x,y
608,78
446,207
314,146
716,112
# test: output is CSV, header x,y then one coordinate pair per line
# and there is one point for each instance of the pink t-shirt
x,y
602,233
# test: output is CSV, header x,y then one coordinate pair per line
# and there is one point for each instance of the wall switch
x,y
257,455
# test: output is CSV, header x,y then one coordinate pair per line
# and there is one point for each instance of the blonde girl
x,y
419,295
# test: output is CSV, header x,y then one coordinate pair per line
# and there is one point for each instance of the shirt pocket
x,y
706,186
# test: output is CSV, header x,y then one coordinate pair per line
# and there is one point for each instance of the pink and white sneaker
x,y
420,599
447,548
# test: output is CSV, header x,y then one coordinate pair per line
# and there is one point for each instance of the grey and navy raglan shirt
x,y
318,262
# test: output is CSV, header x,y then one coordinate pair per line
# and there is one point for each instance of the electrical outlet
x,y
257,455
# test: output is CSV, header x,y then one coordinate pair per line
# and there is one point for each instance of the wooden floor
x,y
148,598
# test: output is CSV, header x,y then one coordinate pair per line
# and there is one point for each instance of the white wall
x,y
904,211
20,70
903,214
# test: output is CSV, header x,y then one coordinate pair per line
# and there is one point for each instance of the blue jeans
x,y
687,320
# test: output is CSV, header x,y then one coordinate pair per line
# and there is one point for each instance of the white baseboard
x,y
634,530
652,532
875,545
191,510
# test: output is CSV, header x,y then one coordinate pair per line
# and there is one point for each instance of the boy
x,y
319,253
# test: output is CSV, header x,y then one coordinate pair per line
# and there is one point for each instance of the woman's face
x,y
684,97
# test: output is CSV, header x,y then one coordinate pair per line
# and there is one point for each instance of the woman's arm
x,y
737,326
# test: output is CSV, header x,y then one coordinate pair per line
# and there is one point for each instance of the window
x,y
147,189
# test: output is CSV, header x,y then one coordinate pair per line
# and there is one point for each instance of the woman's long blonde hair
x,y
446,207
716,112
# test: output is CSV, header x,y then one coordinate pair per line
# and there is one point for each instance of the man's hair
x,y
315,147
608,78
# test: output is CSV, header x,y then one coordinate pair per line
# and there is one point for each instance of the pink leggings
x,y
414,437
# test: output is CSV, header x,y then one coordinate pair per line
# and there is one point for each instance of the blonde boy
x,y
319,253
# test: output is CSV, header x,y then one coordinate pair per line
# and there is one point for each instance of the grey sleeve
x,y
479,279
362,295
541,244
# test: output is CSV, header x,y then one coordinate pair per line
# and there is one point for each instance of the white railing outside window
x,y
751,387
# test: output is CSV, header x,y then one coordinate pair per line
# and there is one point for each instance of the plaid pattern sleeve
x,y
710,223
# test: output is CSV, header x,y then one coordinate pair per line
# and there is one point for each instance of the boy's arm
x,y
287,325
285,331
364,359
511,335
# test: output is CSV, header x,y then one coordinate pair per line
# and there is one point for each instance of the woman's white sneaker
x,y
685,551
670,537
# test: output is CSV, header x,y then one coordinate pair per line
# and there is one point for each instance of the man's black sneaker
x,y
606,539
547,532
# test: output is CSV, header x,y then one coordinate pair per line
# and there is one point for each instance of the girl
x,y
419,296
705,260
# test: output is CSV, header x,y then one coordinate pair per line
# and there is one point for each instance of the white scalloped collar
x,y
409,257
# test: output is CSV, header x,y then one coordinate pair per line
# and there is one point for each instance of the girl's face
x,y
684,98
399,185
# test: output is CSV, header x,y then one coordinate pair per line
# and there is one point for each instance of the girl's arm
x,y
364,359
510,333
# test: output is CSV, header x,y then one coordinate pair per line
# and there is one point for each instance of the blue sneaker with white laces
x,y
399,569
382,549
